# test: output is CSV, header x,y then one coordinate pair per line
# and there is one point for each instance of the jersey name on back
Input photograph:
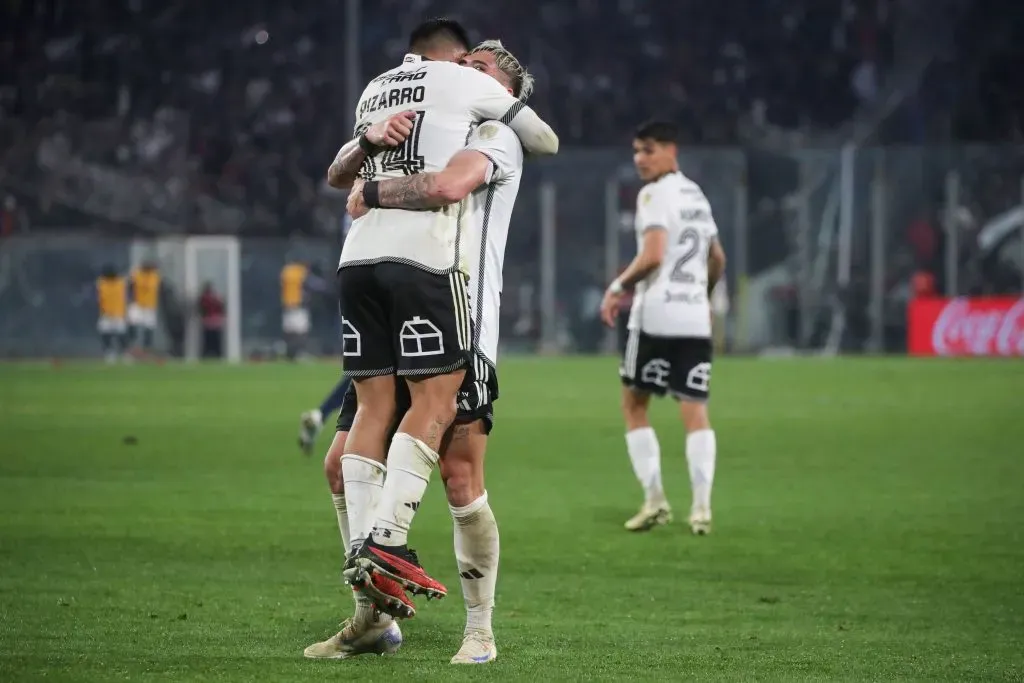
x,y
672,301
448,100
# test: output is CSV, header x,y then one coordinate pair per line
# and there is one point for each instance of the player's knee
x,y
463,483
634,410
437,397
695,416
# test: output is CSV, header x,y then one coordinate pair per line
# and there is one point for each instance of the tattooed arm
x,y
390,132
343,170
467,170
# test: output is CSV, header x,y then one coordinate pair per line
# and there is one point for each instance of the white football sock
x,y
410,462
341,509
476,551
645,454
364,483
700,456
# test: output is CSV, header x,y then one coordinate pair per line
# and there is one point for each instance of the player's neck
x,y
670,171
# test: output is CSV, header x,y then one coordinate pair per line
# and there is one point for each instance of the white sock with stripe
x,y
645,455
476,552
364,484
410,462
701,450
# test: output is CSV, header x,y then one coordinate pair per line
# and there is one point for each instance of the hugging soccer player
x,y
485,178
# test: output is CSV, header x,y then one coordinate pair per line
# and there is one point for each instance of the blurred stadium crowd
x,y
184,116
227,113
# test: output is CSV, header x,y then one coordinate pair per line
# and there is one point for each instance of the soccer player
x,y
297,279
668,350
145,294
404,293
112,299
488,171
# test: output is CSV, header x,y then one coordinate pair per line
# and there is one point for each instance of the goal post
x,y
186,264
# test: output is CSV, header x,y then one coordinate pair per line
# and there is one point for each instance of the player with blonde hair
x,y
484,179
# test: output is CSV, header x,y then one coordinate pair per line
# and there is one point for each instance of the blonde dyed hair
x,y
522,80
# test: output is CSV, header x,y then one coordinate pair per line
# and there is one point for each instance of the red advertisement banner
x,y
983,326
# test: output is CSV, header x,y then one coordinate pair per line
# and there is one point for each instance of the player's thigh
x,y
645,370
430,321
365,323
690,380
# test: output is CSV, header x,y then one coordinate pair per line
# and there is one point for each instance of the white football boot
x,y
650,516
477,648
380,636
310,424
700,521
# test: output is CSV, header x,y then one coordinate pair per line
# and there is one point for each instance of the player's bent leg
x,y
645,456
701,447
411,460
368,631
476,537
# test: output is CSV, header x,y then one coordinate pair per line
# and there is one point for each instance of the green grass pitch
x,y
867,527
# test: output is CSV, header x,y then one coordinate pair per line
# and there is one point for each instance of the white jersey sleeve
x,y
490,209
653,207
489,100
499,144
673,300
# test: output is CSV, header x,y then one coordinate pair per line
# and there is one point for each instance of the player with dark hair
x,y
404,290
438,35
483,178
668,351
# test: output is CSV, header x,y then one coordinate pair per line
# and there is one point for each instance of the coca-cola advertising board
x,y
984,326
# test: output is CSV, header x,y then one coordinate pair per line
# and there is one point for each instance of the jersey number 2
x,y
690,241
406,157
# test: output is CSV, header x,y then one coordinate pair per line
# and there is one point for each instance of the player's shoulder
x,y
678,188
685,186
655,191
497,133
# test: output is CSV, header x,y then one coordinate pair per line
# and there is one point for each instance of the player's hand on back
x,y
392,131
356,205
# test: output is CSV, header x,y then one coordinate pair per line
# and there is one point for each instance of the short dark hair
x,y
436,31
659,131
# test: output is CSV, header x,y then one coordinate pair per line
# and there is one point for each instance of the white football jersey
x,y
673,300
449,100
489,211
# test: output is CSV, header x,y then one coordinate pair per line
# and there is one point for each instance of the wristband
x,y
616,287
366,145
371,194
